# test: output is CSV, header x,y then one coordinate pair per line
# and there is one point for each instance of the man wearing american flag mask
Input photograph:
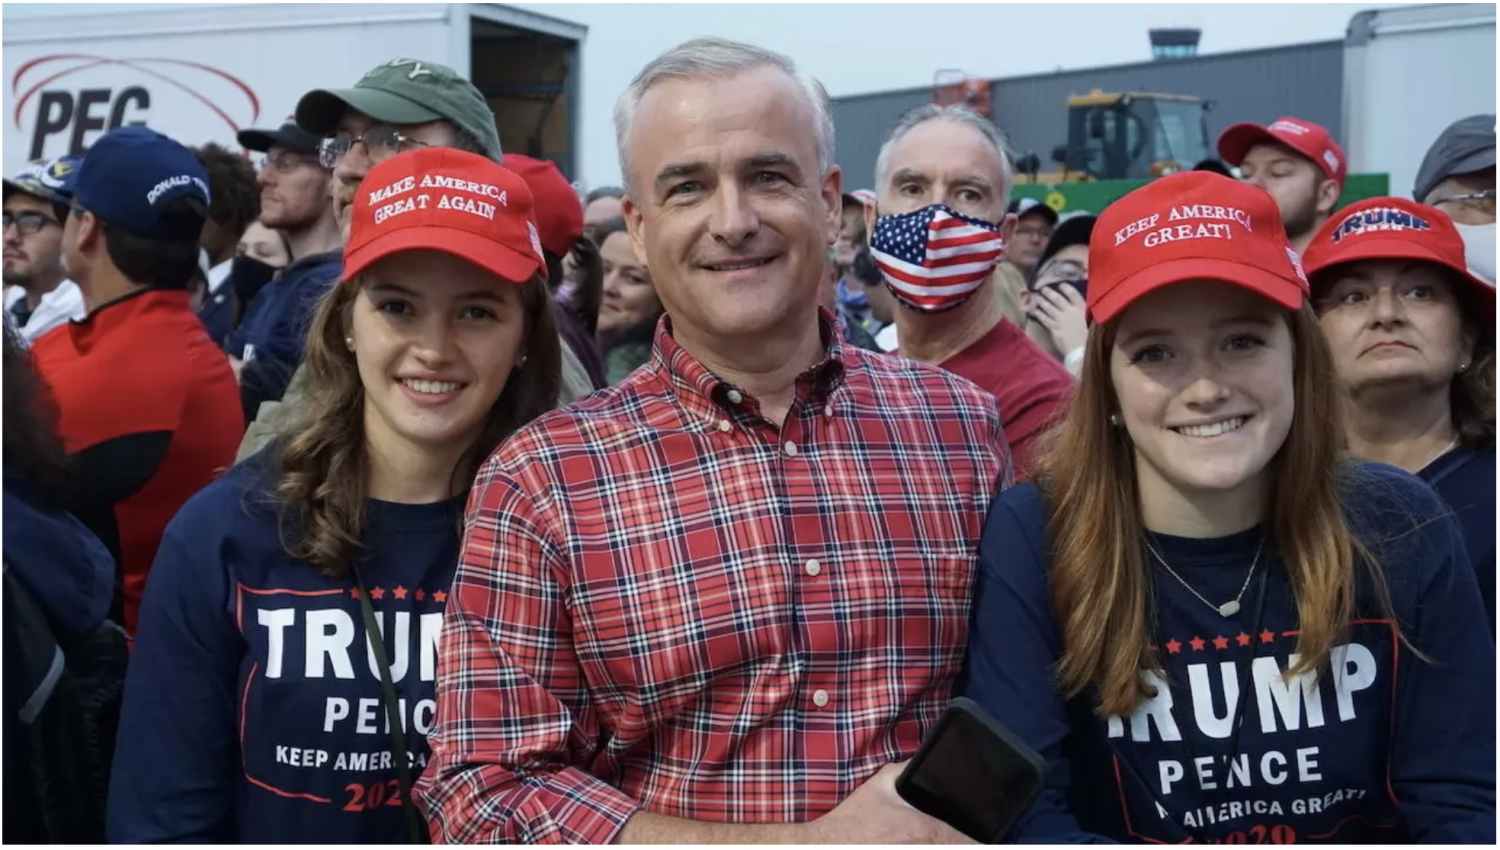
x,y
937,232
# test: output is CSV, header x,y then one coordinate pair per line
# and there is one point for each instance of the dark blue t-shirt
x,y
1465,478
253,708
1385,747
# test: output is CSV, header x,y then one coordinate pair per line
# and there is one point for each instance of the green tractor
x,y
1117,142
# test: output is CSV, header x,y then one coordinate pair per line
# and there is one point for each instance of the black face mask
x,y
248,276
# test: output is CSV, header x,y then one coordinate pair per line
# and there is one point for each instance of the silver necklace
x,y
1228,609
1453,444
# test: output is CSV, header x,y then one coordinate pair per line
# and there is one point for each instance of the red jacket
x,y
150,412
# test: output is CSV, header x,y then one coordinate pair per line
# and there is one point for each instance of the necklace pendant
x,y
1230,608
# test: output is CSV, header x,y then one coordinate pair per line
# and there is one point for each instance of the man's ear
x,y
90,230
1328,197
635,225
1008,227
871,214
833,200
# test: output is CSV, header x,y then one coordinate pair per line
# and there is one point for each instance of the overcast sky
x,y
862,47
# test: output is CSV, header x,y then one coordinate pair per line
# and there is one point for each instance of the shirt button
x,y
790,448
724,425
828,410
820,698
813,567
735,397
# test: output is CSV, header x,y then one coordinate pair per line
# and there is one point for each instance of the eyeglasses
x,y
1478,200
285,163
380,143
1062,271
29,223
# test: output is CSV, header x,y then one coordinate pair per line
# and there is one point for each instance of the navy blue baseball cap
x,y
49,179
131,174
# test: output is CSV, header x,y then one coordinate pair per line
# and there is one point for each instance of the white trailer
x,y
203,74
1409,72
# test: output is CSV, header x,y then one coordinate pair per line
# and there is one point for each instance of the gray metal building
x,y
1305,80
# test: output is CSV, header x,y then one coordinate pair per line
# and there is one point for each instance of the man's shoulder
x,y
628,406
897,383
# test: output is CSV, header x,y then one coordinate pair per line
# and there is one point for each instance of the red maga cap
x,y
559,212
1191,225
1304,137
447,200
1395,229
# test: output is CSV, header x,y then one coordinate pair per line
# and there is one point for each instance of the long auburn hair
x,y
1101,581
323,480
1472,393
31,443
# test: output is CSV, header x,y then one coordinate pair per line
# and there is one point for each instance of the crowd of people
x,y
382,489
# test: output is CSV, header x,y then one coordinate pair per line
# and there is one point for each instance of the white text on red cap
x,y
1288,127
1176,232
398,205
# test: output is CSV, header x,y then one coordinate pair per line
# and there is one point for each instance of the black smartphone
x,y
973,774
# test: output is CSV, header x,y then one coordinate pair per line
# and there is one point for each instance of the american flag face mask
x,y
935,258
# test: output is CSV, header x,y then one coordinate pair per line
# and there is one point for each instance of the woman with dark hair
x,y
630,309
282,685
54,766
1413,337
1213,626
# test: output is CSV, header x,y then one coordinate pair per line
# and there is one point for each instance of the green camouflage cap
x,y
405,91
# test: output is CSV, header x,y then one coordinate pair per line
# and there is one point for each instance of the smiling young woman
x,y
281,688
1198,611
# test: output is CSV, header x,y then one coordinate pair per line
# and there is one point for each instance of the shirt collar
x,y
698,387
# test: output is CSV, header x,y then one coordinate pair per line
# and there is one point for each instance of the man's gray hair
x,y
956,112
718,57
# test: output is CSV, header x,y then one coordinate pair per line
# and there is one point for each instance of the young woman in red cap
x,y
1413,337
281,687
1213,626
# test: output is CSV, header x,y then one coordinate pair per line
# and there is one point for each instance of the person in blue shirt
x,y
281,686
1413,336
1213,625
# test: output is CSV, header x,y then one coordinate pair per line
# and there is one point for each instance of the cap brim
x,y
1273,287
259,141
1238,139
1476,161
319,111
35,190
1374,248
507,263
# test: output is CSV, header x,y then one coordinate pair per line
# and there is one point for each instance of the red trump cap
x,y
1191,225
446,200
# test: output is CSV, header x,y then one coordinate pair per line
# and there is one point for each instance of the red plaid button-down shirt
x,y
666,603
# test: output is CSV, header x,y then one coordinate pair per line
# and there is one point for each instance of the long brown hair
x,y
324,474
1101,585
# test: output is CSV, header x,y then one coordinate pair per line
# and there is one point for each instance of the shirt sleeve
x,y
1442,769
173,773
515,728
1014,644
1040,408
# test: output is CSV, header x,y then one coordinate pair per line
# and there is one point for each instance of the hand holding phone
x,y
973,774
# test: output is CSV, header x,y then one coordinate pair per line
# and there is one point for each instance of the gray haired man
x,y
1458,177
684,611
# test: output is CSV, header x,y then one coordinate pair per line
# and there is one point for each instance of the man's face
x,y
944,162
728,206
31,257
851,235
349,173
293,189
1295,183
1032,232
602,209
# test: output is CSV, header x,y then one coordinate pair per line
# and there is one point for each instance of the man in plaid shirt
x,y
724,599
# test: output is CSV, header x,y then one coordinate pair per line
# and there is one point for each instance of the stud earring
x,y
1114,419
349,341
1462,368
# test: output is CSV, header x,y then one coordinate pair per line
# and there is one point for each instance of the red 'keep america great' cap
x,y
1193,225
1395,229
447,200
